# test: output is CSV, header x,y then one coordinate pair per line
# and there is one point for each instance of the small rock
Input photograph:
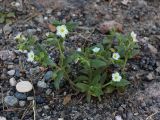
x,y
158,63
2,118
11,72
118,117
30,98
7,29
42,84
46,107
22,103
35,70
10,66
24,86
39,19
11,100
17,73
150,76
48,75
152,49
60,118
109,25
7,55
40,100
48,91
158,69
20,96
130,115
12,81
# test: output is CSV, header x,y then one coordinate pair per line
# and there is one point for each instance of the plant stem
x,y
61,54
125,62
106,85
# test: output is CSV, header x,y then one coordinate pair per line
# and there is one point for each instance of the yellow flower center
x,y
62,30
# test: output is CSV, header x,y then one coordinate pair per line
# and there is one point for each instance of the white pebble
x,y
22,103
118,117
11,72
2,118
42,84
24,86
12,81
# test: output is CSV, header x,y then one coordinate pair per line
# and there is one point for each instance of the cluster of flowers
x,y
62,32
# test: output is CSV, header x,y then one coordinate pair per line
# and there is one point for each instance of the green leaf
x,y
58,79
83,87
82,78
2,19
122,83
110,89
71,26
11,14
96,90
57,23
96,63
96,78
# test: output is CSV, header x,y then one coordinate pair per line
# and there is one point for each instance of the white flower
x,y
19,36
116,77
30,56
79,49
47,34
134,35
62,31
96,49
115,56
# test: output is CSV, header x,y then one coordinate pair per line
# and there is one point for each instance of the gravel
x,y
142,96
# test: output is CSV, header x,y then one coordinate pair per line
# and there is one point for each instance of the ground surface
x,y
142,99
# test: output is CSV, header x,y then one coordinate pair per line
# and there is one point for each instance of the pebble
x,y
20,96
7,29
39,19
130,115
30,98
11,72
22,103
24,86
46,107
150,76
35,70
118,117
11,100
2,118
48,75
17,73
40,100
48,91
42,84
158,69
60,119
12,81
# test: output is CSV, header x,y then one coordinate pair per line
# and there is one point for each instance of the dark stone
x,y
17,73
40,100
20,96
48,75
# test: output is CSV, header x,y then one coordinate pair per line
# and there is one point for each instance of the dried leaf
x,y
66,99
52,28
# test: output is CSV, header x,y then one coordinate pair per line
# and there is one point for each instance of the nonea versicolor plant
x,y
87,69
